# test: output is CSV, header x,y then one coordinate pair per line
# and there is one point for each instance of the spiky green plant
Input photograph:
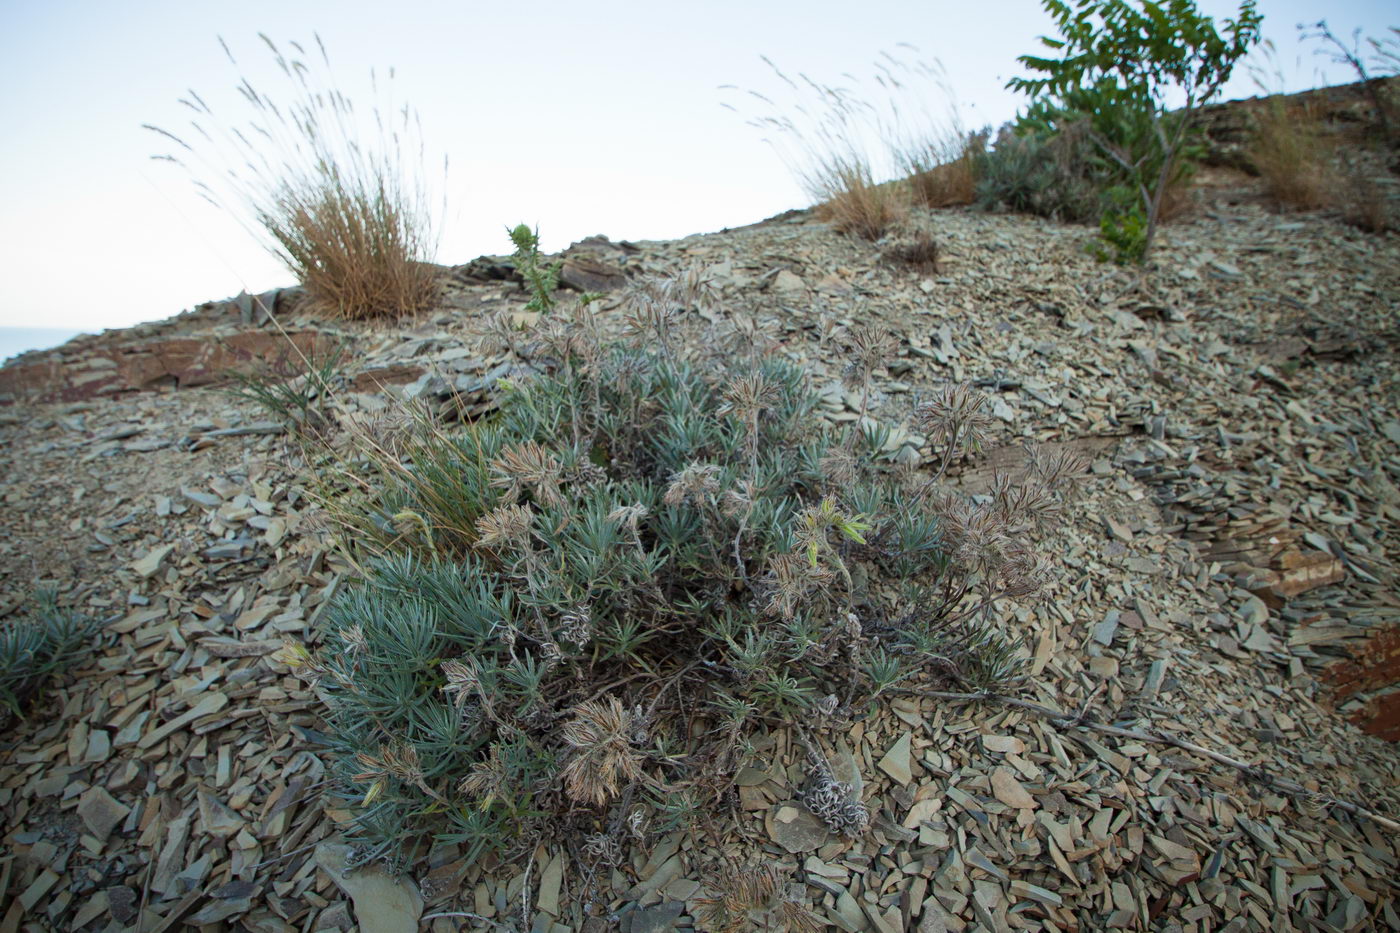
x,y
579,608
37,647
540,278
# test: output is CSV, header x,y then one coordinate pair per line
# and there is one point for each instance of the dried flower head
x,y
739,501
839,467
1061,471
353,637
629,516
463,681
980,538
488,780
751,898
527,467
695,483
302,662
1024,573
747,395
392,430
502,334
792,580
650,307
571,334
600,757
871,346
955,415
746,336
505,527
399,761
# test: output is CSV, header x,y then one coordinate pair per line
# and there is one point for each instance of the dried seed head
x,y
463,681
748,395
550,655
791,580
399,761
695,483
527,467
981,539
871,346
739,502
353,636
956,415
1024,573
637,823
501,335
600,757
746,336
506,527
603,848
839,467
576,626
629,516
571,334
1061,471
488,779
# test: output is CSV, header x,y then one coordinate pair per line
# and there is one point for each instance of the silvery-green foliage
x,y
585,604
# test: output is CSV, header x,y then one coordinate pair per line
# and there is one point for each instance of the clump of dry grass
x,y
1362,202
949,178
1292,157
855,203
863,156
912,244
337,194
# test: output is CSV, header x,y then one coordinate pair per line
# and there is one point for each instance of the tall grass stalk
x,y
338,194
862,152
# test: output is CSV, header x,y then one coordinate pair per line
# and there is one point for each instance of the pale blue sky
x,y
599,117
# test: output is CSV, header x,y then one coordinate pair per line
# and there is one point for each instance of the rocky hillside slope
x,y
1228,581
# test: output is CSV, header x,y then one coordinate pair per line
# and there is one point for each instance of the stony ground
x,y
1228,579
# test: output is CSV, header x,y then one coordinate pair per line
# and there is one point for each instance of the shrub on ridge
x,y
578,613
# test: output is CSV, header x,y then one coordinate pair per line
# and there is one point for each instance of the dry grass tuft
x,y
1363,203
1292,158
862,155
855,203
334,192
913,245
945,174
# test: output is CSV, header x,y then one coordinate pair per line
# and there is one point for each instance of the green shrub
x,y
1116,66
37,647
576,613
1029,171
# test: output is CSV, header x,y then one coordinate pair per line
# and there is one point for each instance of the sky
x,y
581,118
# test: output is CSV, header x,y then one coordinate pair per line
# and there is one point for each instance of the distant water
x,y
16,340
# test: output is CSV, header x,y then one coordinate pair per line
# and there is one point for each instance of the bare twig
x,y
464,915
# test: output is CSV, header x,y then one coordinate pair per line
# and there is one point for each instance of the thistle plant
x,y
540,278
577,613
